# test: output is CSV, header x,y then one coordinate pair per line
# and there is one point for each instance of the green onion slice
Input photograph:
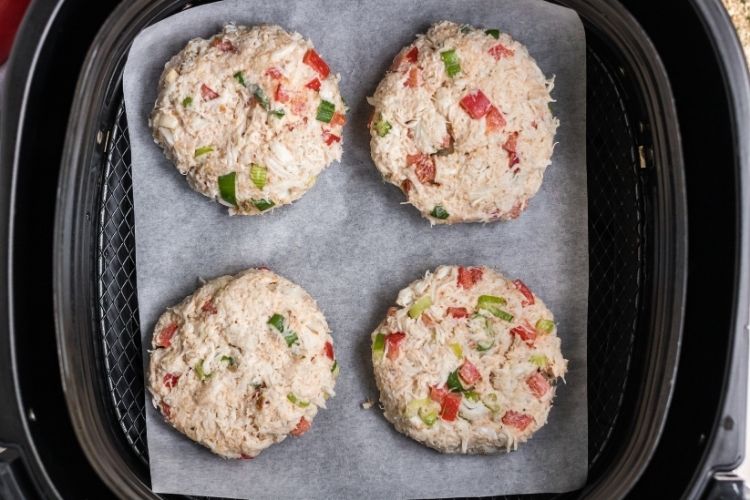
x,y
485,345
261,97
451,62
539,360
203,150
472,395
382,127
545,325
490,401
335,369
439,212
486,301
378,346
227,186
263,204
296,401
418,307
457,351
428,415
259,175
493,33
453,383
325,111
187,101
278,113
291,338
240,78
504,315
200,372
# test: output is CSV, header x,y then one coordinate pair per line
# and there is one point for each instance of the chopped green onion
x,y
540,360
425,408
378,346
203,150
240,78
501,314
325,111
231,363
545,325
227,188
451,62
457,350
277,321
187,101
382,127
485,345
453,383
485,301
200,372
335,369
419,306
412,408
259,175
428,415
490,401
263,204
465,28
261,97
493,33
291,338
278,113
439,212
296,401
472,395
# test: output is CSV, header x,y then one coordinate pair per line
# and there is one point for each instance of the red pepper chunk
x,y
207,93
406,186
280,94
329,350
313,84
316,62
209,307
538,384
330,138
510,147
469,276
245,457
494,120
274,73
469,373
458,312
170,380
393,341
166,410
302,426
338,119
450,405
525,334
476,104
437,394
424,166
413,79
223,45
412,55
164,337
499,51
518,420
521,286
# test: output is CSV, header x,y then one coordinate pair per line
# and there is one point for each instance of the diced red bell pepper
x,y
469,373
166,410
521,286
208,307
469,276
338,119
245,457
412,55
494,120
458,312
499,51
330,138
525,334
207,93
424,166
406,186
164,337
313,84
329,350
518,420
516,209
280,95
316,62
510,147
274,73
538,384
412,81
302,427
170,380
222,44
393,341
438,393
450,405
476,104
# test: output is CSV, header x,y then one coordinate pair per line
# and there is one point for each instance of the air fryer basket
x,y
636,249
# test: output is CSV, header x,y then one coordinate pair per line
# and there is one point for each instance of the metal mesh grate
x,y
615,247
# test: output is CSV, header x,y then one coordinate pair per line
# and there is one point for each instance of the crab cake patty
x,y
250,116
467,362
242,363
462,124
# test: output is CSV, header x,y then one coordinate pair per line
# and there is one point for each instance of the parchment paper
x,y
353,245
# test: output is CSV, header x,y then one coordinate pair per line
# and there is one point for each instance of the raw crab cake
x,y
242,363
467,362
251,116
462,124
